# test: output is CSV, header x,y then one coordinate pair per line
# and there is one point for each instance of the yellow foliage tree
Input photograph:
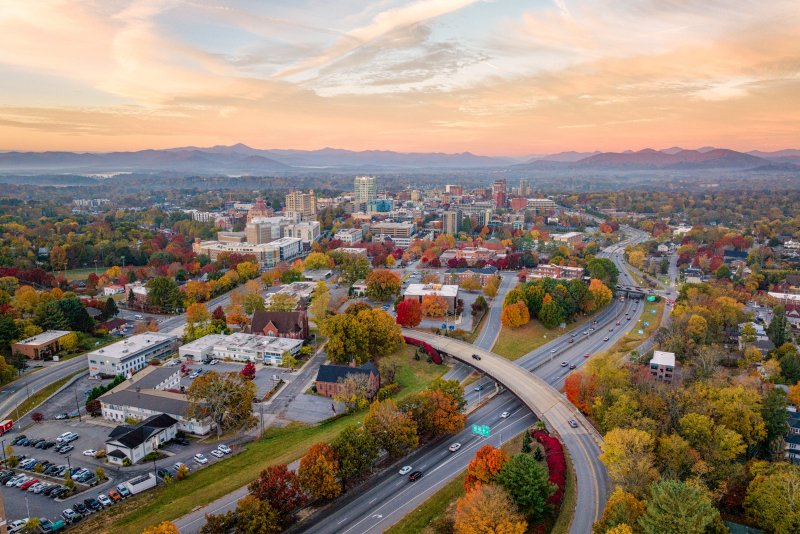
x,y
628,454
488,509
515,315
165,527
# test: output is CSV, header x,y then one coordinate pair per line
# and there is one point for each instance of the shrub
x,y
101,473
556,465
126,462
100,454
387,391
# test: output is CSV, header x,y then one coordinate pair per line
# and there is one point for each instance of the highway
x,y
389,498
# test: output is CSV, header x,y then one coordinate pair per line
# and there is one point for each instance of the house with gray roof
x,y
137,441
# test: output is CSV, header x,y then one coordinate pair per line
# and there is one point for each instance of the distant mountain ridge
x,y
242,159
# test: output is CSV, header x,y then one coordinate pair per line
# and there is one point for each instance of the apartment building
x,y
130,355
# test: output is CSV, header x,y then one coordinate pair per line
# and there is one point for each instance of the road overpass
x,y
583,443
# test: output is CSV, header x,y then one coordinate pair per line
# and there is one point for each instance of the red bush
x,y
556,464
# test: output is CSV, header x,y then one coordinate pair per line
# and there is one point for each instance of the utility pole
x,y
77,404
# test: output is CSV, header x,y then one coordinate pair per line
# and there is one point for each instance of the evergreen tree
x,y
778,327
674,506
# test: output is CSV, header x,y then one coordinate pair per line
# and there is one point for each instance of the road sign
x,y
481,430
651,298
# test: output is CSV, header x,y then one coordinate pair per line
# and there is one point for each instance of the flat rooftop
x,y
132,345
44,337
255,342
432,289
204,342
663,358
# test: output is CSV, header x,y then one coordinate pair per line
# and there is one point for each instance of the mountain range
x,y
242,159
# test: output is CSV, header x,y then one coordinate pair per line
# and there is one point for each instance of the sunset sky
x,y
496,77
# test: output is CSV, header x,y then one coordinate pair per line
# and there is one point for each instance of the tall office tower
x,y
499,193
451,221
365,188
524,187
303,203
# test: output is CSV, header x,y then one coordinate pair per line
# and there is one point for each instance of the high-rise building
x,y
303,203
499,193
451,222
365,188
524,187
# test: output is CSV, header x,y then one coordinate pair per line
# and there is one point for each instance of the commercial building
x,y
451,222
662,366
572,238
559,272
40,346
482,274
269,229
302,291
304,204
518,203
499,193
471,255
365,188
419,291
113,289
399,232
135,442
349,235
306,231
541,206
130,355
351,250
455,190
479,212
524,188
268,254
152,392
259,209
380,205
241,347
330,378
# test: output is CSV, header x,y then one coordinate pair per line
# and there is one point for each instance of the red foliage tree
x,y
218,314
556,465
249,371
409,313
280,487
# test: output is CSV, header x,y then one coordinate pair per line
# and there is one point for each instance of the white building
x,y
137,441
130,355
662,366
241,347
351,250
419,291
307,231
349,235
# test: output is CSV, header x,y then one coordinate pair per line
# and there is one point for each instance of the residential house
x,y
793,315
792,439
293,324
135,442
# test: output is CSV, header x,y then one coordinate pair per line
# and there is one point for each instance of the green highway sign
x,y
481,430
651,298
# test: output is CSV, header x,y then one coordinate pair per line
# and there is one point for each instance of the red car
x,y
28,484
586,355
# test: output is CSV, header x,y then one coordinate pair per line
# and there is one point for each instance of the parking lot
x,y
93,434
263,380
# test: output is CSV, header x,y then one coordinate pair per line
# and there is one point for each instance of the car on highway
x,y
572,366
478,388
405,470
476,357
564,364
454,447
586,355
573,423
585,332
571,340
605,338
618,323
416,475
611,329
504,415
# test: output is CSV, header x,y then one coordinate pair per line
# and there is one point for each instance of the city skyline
x,y
494,78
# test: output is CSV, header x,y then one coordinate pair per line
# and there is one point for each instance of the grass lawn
x,y
437,504
82,274
37,398
513,343
279,445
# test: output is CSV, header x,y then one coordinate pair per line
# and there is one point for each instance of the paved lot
x,y
264,380
308,408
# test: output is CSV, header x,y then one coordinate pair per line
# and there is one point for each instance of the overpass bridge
x,y
583,442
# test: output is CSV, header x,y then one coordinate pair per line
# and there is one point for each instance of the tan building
x,y
392,229
41,345
304,204
259,209
557,271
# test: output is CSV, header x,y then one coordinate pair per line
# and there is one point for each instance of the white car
x,y
16,526
104,500
89,452
405,470
224,448
454,447
200,459
216,453
504,415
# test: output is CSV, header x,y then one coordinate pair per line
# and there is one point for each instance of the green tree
x,y
550,315
526,481
356,450
790,365
452,387
8,332
778,329
772,498
163,293
621,508
252,303
776,421
353,267
318,307
675,506
110,308
281,302
347,338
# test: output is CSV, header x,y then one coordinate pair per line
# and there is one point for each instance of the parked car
x,y
45,525
81,509
66,449
16,526
123,490
28,484
216,453
104,500
224,448
114,495
62,416
181,441
17,439
405,470
93,504
70,515
454,447
89,452
200,459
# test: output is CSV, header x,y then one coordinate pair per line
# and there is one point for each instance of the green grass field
x,y
82,274
279,445
513,343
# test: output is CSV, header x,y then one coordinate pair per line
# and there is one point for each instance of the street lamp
x,y
77,404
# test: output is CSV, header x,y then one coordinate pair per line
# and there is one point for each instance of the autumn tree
x,y
492,286
280,487
370,333
601,295
450,387
488,509
317,260
354,391
393,430
248,371
317,472
318,307
165,527
636,258
355,449
675,506
196,316
383,285
435,412
252,303
621,508
470,283
225,398
255,515
628,455
794,394
434,306
526,481
409,313
515,315
484,467
772,498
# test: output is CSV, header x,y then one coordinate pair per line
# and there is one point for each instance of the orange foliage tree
x,y
317,472
580,389
484,466
515,315
488,509
434,305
